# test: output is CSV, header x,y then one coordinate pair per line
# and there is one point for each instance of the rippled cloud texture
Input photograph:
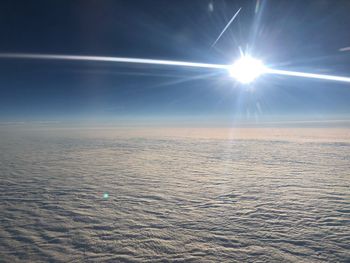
x,y
120,195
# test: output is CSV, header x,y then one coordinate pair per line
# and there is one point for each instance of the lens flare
x,y
247,69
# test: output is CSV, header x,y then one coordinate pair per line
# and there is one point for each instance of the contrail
x,y
112,59
165,63
228,24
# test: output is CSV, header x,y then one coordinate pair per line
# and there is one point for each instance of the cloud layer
x,y
175,198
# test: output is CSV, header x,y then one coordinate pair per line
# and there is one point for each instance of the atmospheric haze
x,y
155,195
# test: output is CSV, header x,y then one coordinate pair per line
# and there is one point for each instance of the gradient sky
x,y
291,35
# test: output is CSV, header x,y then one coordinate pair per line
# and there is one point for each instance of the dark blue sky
x,y
296,35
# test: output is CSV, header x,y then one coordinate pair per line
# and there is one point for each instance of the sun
x,y
247,69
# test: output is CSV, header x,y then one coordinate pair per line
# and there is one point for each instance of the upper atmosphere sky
x,y
290,35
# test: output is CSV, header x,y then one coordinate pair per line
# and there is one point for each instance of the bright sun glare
x,y
247,69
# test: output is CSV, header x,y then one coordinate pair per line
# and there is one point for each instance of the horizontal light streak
x,y
307,75
344,49
165,63
112,59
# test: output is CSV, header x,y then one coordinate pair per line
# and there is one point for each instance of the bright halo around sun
x,y
247,69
